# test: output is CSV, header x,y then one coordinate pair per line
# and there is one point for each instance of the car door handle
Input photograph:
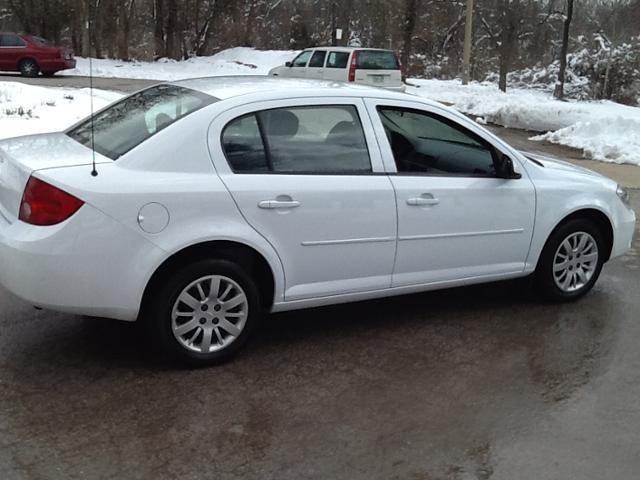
x,y
422,201
272,204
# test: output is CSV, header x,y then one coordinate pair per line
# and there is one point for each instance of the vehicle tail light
x,y
352,66
43,204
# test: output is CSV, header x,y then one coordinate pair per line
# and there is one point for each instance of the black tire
x,y
159,313
29,68
544,279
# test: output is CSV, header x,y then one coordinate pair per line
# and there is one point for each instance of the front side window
x,y
317,59
303,140
429,144
338,60
302,59
11,41
126,124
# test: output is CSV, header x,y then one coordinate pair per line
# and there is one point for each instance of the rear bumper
x,y
55,65
89,265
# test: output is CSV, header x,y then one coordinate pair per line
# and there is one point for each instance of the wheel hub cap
x,y
575,261
209,314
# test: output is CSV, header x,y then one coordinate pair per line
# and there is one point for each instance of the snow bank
x,y
25,109
607,131
234,61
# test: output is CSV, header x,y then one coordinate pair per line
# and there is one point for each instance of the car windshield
x,y
41,41
128,123
377,60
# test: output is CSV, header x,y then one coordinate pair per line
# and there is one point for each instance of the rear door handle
x,y
272,204
425,199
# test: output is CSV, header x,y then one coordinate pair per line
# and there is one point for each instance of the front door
x,y
301,173
456,219
316,64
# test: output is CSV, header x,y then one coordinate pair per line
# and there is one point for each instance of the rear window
x,y
377,60
128,123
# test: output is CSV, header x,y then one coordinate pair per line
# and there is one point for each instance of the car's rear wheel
x,y
205,312
29,68
571,261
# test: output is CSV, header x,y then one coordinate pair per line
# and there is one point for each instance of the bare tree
x,y
559,88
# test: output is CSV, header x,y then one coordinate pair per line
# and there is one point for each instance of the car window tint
x,y
11,41
41,41
338,60
302,59
243,145
426,143
377,60
317,60
129,122
316,139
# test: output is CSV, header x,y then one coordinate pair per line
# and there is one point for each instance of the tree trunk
x,y
507,40
410,13
559,89
158,29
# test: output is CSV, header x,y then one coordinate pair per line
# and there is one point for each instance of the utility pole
x,y
468,33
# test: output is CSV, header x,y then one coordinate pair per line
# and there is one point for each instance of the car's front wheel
x,y
571,261
29,68
205,312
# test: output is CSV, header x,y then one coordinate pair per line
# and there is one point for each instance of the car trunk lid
x,y
20,157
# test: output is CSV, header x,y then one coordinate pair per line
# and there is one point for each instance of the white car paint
x,y
387,79
352,237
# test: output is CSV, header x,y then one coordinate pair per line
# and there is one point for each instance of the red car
x,y
30,55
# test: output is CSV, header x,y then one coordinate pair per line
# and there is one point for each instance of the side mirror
x,y
504,168
288,64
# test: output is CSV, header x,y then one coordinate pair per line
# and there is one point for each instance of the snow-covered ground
x,y
234,61
606,131
25,109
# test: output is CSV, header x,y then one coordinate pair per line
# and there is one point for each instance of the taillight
x,y
43,204
352,66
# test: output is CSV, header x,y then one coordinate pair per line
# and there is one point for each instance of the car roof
x,y
272,88
347,49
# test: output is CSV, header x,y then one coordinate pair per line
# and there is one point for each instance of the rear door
x,y
337,66
379,68
315,66
12,48
308,176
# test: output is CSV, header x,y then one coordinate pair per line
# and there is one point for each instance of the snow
x,y
27,109
606,131
234,61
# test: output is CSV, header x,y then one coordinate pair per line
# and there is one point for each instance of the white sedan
x,y
219,199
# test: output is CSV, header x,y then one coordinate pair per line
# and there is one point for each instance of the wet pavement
x,y
479,383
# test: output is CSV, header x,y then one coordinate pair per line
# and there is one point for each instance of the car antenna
x,y
94,172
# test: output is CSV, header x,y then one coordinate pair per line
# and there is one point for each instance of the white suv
x,y
219,199
369,66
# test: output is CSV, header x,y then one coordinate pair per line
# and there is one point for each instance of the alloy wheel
x,y
209,314
575,262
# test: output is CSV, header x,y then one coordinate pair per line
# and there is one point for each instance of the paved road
x,y
471,383
125,85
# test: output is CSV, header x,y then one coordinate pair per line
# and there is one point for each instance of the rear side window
x,y
11,41
302,59
338,60
317,60
41,41
377,60
425,143
126,124
298,140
